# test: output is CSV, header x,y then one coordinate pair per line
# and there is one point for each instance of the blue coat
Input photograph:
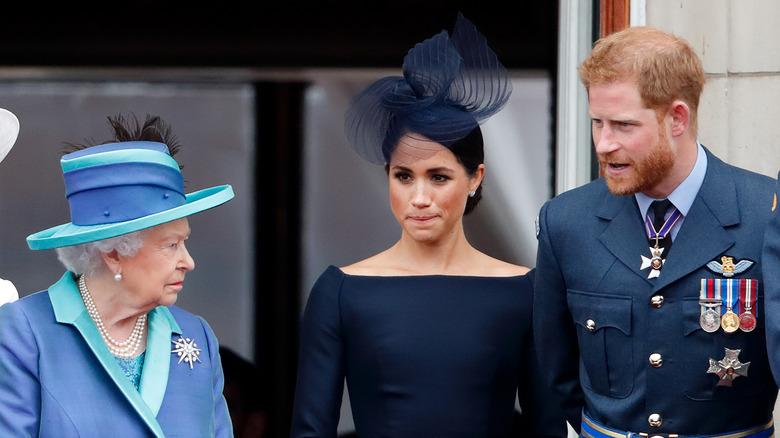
x,y
771,259
597,324
57,378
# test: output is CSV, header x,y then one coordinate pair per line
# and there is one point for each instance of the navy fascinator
x,y
450,85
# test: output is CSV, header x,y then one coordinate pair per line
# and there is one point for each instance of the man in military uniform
x,y
771,270
648,290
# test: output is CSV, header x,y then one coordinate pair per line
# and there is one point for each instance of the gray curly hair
x,y
87,258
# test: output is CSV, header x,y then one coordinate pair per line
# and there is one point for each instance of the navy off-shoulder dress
x,y
423,356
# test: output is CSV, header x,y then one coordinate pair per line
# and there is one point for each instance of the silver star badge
x,y
728,368
187,350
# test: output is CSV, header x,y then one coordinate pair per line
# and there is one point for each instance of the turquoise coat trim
x,y
69,309
59,379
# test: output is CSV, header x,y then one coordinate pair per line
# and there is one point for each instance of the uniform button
x,y
655,420
657,301
590,325
656,360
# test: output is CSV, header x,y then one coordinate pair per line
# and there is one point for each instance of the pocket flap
x,y
596,311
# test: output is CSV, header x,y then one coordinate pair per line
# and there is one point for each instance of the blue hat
x,y
118,188
450,84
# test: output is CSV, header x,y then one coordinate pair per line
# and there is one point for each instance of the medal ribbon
x,y
709,293
731,297
665,228
748,291
743,297
747,294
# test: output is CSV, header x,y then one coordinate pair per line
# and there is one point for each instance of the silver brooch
x,y
187,350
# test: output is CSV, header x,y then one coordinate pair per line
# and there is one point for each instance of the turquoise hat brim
x,y
69,234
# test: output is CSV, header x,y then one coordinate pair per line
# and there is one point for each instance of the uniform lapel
x,y
703,236
625,236
69,309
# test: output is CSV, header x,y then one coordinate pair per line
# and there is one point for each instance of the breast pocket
x,y
604,330
701,346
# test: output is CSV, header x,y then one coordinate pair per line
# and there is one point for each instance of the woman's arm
x,y
321,360
223,426
541,416
20,389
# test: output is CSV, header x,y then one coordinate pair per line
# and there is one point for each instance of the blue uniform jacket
x,y
597,324
771,259
57,378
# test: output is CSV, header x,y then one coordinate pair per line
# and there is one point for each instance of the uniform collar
x,y
683,195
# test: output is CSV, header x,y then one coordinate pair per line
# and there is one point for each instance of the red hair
x,y
664,66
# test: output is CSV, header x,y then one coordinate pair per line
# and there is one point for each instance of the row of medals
x,y
711,320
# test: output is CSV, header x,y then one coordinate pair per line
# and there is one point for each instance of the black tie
x,y
659,211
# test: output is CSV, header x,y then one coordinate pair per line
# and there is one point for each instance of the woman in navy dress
x,y
432,336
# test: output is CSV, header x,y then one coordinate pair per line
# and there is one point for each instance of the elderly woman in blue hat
x,y
103,351
432,336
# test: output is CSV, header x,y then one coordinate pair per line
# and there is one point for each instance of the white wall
x,y
739,43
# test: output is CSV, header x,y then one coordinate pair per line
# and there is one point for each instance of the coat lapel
x,y
625,236
157,364
69,309
703,236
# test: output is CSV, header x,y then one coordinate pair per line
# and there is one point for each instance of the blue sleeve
x,y
770,259
320,385
20,390
554,331
541,416
223,427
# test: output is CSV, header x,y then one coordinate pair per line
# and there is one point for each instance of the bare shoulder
x,y
475,263
373,266
494,267
506,269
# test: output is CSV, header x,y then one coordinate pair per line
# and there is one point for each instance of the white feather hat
x,y
9,129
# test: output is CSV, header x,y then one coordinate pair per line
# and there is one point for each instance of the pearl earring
x,y
118,277
473,192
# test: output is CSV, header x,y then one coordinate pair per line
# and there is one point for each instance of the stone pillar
x,y
739,43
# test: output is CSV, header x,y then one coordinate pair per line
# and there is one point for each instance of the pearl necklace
x,y
125,349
